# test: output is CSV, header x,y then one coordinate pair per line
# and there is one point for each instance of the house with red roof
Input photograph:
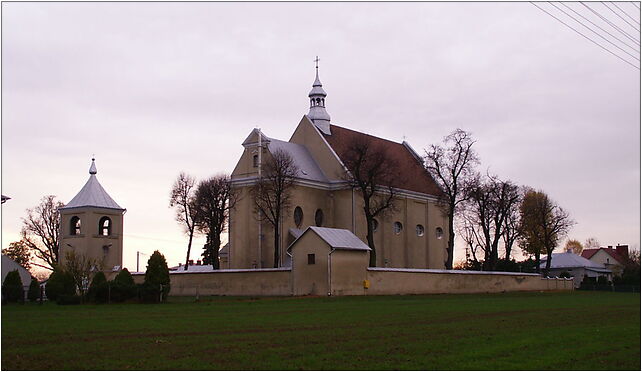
x,y
612,258
413,234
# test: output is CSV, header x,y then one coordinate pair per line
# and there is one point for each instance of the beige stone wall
x,y
348,271
89,242
310,279
394,282
266,282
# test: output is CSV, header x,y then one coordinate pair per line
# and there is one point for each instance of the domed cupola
x,y
318,114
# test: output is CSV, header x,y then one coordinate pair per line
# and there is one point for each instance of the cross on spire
x,y
316,60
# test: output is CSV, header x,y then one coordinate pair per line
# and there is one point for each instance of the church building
x,y
92,225
413,235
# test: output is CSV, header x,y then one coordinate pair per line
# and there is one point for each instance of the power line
x,y
591,22
611,24
622,18
609,41
584,36
626,14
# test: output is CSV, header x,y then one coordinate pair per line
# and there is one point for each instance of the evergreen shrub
x,y
157,275
12,290
34,290
123,287
98,288
60,283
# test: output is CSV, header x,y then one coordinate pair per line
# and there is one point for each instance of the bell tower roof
x,y
92,194
317,114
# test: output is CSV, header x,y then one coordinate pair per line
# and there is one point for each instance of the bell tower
x,y
317,113
91,224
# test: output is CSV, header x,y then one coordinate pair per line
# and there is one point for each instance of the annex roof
x,y
588,253
308,168
337,238
415,176
570,260
92,194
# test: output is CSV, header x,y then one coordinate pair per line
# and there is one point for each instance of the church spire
x,y
92,168
318,114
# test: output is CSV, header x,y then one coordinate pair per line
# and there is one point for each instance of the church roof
x,y
308,168
415,176
336,238
92,194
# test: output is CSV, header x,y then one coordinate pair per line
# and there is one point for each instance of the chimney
x,y
198,262
622,250
179,264
191,262
610,247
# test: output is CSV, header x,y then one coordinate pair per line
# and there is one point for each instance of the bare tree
x,y
592,243
41,229
182,198
80,268
452,165
375,174
214,199
491,202
273,192
543,224
511,228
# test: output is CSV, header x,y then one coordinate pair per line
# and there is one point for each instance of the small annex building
x,y
575,265
326,256
9,265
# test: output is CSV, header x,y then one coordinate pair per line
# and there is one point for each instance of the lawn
x,y
534,331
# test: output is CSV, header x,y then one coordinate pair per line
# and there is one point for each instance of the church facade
x,y
413,235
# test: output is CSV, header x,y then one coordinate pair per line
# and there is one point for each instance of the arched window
x,y
439,232
318,217
323,102
104,226
298,216
318,101
375,225
420,230
74,226
255,161
397,227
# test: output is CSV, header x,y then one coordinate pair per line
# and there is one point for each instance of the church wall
x,y
245,166
267,282
400,282
89,242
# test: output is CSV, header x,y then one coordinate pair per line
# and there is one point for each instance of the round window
x,y
420,230
439,232
298,216
318,217
397,227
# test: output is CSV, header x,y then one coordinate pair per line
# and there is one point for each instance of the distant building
x,y
92,225
575,265
613,259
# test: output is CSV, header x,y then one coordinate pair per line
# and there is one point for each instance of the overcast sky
x,y
155,88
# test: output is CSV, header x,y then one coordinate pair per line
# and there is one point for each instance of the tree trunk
x,y
371,244
276,241
216,244
537,261
549,256
189,248
451,240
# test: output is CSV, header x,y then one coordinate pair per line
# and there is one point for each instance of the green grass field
x,y
523,331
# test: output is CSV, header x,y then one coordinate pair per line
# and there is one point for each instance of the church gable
x,y
308,135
